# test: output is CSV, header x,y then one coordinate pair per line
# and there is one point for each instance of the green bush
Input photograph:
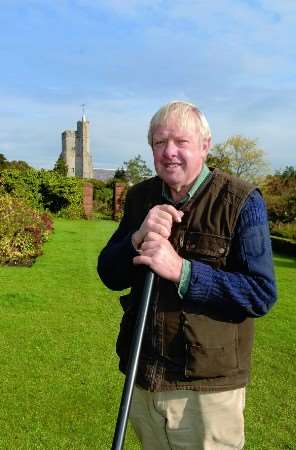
x,y
61,195
45,190
48,190
280,194
22,231
24,185
103,198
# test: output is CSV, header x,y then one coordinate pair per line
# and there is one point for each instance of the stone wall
x,y
76,150
69,150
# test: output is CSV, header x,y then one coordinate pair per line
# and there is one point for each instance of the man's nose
x,y
170,149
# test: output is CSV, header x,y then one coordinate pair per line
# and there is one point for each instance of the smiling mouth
x,y
172,165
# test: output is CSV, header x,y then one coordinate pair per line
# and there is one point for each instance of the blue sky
x,y
235,59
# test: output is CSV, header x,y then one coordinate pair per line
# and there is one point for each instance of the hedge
x,y
45,190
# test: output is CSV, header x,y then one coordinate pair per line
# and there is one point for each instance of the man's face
x,y
178,154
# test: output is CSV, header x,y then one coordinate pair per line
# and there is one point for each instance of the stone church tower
x,y
76,150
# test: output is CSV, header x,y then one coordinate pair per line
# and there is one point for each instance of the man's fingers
x,y
146,260
160,256
174,213
160,224
149,247
152,236
159,220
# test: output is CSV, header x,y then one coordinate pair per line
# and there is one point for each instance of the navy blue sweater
x,y
249,287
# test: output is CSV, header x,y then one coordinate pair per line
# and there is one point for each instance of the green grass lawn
x,y
59,383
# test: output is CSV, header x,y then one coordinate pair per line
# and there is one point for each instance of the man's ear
x,y
207,142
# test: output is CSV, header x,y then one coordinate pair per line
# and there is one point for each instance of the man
x,y
205,235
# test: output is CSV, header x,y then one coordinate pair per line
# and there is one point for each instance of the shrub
x,y
280,195
61,195
24,185
45,190
103,198
23,231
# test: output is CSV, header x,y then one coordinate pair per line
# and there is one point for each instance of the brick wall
x,y
118,196
88,200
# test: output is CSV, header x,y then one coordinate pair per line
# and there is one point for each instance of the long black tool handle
x,y
122,418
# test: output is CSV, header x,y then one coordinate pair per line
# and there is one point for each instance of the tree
x,y
239,156
288,174
134,170
3,161
280,194
120,175
61,167
218,157
19,165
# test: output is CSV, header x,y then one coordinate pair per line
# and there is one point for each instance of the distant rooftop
x,y
103,174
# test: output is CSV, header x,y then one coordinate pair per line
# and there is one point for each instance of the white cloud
x,y
126,58
119,125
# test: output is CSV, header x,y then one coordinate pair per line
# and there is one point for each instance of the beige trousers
x,y
189,420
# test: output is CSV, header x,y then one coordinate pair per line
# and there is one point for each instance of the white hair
x,y
186,114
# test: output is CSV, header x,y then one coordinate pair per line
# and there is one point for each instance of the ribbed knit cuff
x,y
201,281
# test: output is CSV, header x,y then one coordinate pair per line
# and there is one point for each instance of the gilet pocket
x,y
211,347
207,248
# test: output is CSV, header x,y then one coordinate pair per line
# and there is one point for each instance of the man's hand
x,y
158,253
159,220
